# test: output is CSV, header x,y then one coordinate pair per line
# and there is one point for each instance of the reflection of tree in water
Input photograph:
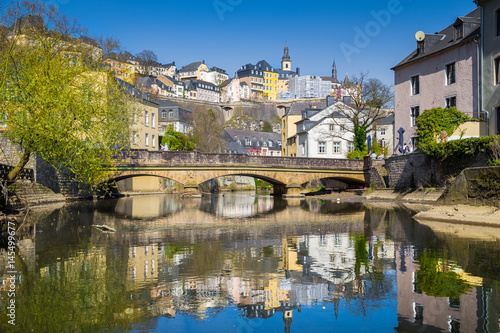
x,y
437,278
82,294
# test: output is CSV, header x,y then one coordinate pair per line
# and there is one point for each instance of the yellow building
x,y
122,70
270,85
144,131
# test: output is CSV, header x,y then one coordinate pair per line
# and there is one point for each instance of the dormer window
x,y
459,31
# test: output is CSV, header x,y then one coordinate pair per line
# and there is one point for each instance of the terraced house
x,y
441,72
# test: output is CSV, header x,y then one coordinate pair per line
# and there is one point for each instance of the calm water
x,y
247,263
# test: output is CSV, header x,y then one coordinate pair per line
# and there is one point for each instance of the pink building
x,y
441,72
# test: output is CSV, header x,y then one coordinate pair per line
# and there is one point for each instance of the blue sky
x,y
362,35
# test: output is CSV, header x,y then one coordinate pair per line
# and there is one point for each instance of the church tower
x,y
286,63
334,72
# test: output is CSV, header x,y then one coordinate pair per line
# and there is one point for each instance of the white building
x,y
307,87
325,133
215,76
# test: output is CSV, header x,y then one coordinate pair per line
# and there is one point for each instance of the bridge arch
x,y
193,168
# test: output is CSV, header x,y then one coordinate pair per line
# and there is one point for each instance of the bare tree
x,y
148,60
367,97
207,131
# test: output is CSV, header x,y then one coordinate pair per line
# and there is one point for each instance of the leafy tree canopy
x,y
55,98
176,140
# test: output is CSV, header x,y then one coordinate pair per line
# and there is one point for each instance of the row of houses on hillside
x,y
455,67
260,81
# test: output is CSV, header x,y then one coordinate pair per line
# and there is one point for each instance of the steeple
x,y
347,82
286,63
286,56
334,73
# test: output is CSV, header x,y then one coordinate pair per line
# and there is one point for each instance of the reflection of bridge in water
x,y
191,169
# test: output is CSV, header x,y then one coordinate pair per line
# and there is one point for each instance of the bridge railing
x,y
194,158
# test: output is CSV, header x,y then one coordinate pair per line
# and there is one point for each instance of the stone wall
x,y
11,153
182,158
475,186
60,182
412,171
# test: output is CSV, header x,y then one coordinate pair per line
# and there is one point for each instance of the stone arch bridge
x,y
191,169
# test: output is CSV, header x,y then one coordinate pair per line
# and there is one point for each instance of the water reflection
x,y
188,265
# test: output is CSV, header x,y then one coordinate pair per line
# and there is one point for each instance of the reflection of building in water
x,y
332,257
290,255
418,312
147,207
143,263
239,205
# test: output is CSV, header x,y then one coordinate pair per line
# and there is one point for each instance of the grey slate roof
x,y
255,137
236,148
445,39
389,120
191,67
297,107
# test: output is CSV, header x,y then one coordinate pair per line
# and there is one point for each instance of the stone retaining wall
x,y
412,171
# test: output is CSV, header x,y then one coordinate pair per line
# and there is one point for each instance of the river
x,y
242,262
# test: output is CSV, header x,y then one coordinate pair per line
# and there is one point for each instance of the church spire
x,y
286,56
286,63
334,70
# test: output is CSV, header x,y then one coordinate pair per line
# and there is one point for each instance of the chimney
x,y
298,71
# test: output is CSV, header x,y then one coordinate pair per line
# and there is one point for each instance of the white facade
x,y
325,135
308,87
214,77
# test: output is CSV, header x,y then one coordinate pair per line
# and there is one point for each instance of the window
x,y
134,137
153,120
459,31
321,147
350,146
497,70
270,143
146,139
153,143
451,102
415,85
382,131
454,302
170,114
248,142
164,114
146,118
418,314
336,147
332,127
498,21
450,74
454,325
414,113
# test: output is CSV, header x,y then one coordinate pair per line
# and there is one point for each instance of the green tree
x,y
267,127
177,140
432,122
55,98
